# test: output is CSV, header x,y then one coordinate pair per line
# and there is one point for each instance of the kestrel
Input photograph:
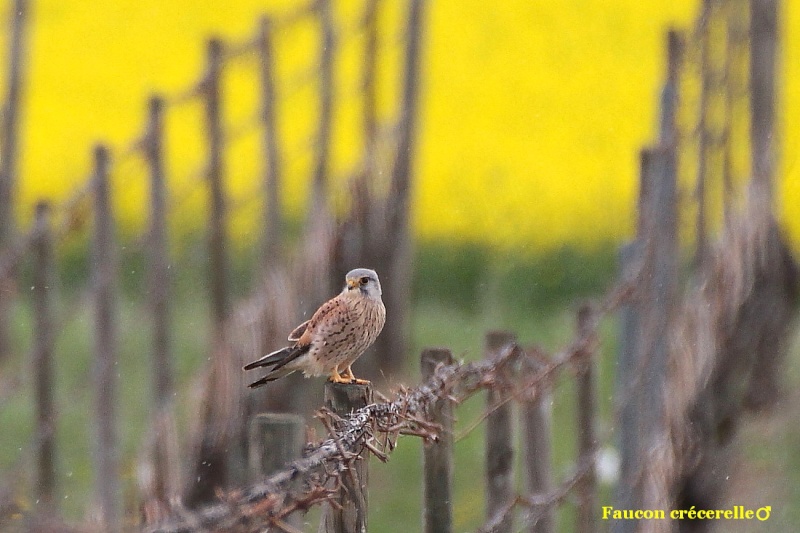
x,y
334,337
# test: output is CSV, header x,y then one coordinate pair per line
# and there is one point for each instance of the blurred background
x,y
182,184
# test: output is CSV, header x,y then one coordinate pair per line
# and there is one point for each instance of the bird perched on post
x,y
335,335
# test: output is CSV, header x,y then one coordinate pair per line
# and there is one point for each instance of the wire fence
x,y
374,429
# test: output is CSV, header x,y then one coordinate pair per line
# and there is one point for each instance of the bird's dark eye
x,y
364,280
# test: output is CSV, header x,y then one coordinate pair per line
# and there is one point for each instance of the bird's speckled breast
x,y
346,335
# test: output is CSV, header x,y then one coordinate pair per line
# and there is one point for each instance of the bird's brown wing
x,y
326,317
303,334
298,331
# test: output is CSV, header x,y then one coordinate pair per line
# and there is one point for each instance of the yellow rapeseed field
x,y
532,112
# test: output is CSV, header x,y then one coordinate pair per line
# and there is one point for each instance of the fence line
x,y
681,366
374,429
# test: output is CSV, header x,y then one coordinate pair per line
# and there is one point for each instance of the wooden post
x,y
319,278
401,175
42,363
351,516
669,93
736,45
273,221
372,230
105,365
158,287
661,268
659,295
437,457
627,394
763,59
10,117
537,416
395,262
275,440
221,456
703,136
158,257
586,385
364,239
646,325
369,85
325,127
499,450
217,236
9,137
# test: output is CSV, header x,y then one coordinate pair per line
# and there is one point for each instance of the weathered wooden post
x,y
668,134
158,279
628,392
437,457
661,268
369,85
42,363
319,231
657,292
645,343
764,41
704,137
350,516
165,480
395,261
219,461
326,90
217,233
651,254
537,416
499,449
103,267
273,218
586,388
371,229
765,37
365,233
275,440
9,138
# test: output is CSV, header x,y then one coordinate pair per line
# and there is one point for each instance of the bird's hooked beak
x,y
352,283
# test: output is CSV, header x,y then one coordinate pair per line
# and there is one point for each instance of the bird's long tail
x,y
278,361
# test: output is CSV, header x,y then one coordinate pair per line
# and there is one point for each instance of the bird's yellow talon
x,y
336,378
348,375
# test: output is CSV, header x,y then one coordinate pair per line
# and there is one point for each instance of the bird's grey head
x,y
365,281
